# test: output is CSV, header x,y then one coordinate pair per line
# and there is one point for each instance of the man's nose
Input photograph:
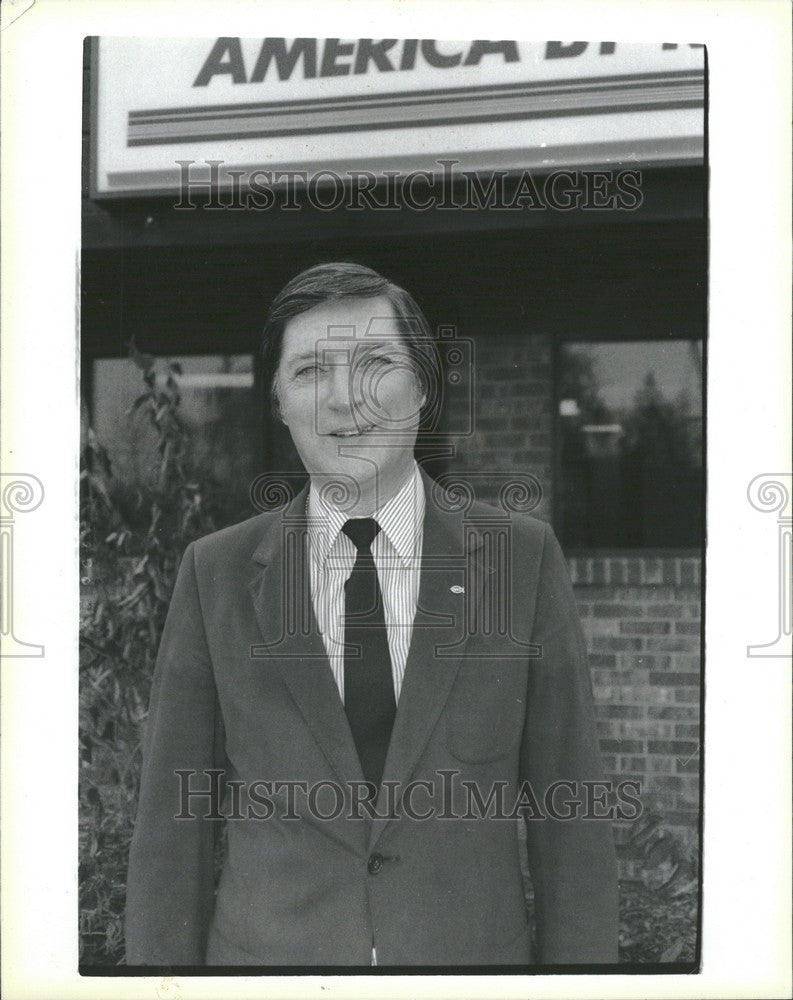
x,y
343,392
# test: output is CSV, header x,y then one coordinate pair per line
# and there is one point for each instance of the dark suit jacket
x,y
496,692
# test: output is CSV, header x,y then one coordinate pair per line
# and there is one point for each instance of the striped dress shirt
x,y
396,550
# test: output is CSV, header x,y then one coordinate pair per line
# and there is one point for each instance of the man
x,y
379,684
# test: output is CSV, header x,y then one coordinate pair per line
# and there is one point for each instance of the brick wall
x,y
513,419
641,618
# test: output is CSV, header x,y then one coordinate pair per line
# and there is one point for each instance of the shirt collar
x,y
401,519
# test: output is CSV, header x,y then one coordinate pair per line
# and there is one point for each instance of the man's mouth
x,y
352,432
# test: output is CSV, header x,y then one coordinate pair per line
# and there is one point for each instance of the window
x,y
217,409
631,444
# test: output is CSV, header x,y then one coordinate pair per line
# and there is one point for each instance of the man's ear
x,y
422,392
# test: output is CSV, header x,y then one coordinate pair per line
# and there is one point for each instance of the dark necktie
x,y
368,685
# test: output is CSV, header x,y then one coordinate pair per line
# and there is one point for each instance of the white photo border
x,y
746,911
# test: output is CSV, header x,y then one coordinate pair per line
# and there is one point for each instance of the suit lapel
x,y
450,592
281,593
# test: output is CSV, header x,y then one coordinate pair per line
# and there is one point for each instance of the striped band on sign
x,y
419,109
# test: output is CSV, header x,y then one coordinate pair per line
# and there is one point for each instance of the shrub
x,y
132,539
659,901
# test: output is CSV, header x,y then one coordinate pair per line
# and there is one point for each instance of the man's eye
x,y
308,371
380,359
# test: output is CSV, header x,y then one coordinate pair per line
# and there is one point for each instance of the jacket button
x,y
374,864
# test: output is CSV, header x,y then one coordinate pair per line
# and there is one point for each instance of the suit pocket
x,y
485,711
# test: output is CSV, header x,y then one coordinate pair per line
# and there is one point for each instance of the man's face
x,y
348,392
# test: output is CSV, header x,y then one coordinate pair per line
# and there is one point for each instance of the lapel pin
x,y
457,589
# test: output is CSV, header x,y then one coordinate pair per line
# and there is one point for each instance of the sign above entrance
x,y
276,104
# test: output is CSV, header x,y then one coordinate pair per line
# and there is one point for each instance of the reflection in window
x,y
217,408
631,444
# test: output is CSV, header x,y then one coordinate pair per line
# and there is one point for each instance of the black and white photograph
x,y
392,358
395,505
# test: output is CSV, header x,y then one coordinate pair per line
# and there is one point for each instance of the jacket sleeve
x,y
170,885
572,861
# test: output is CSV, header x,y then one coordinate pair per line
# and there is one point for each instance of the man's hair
x,y
342,280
